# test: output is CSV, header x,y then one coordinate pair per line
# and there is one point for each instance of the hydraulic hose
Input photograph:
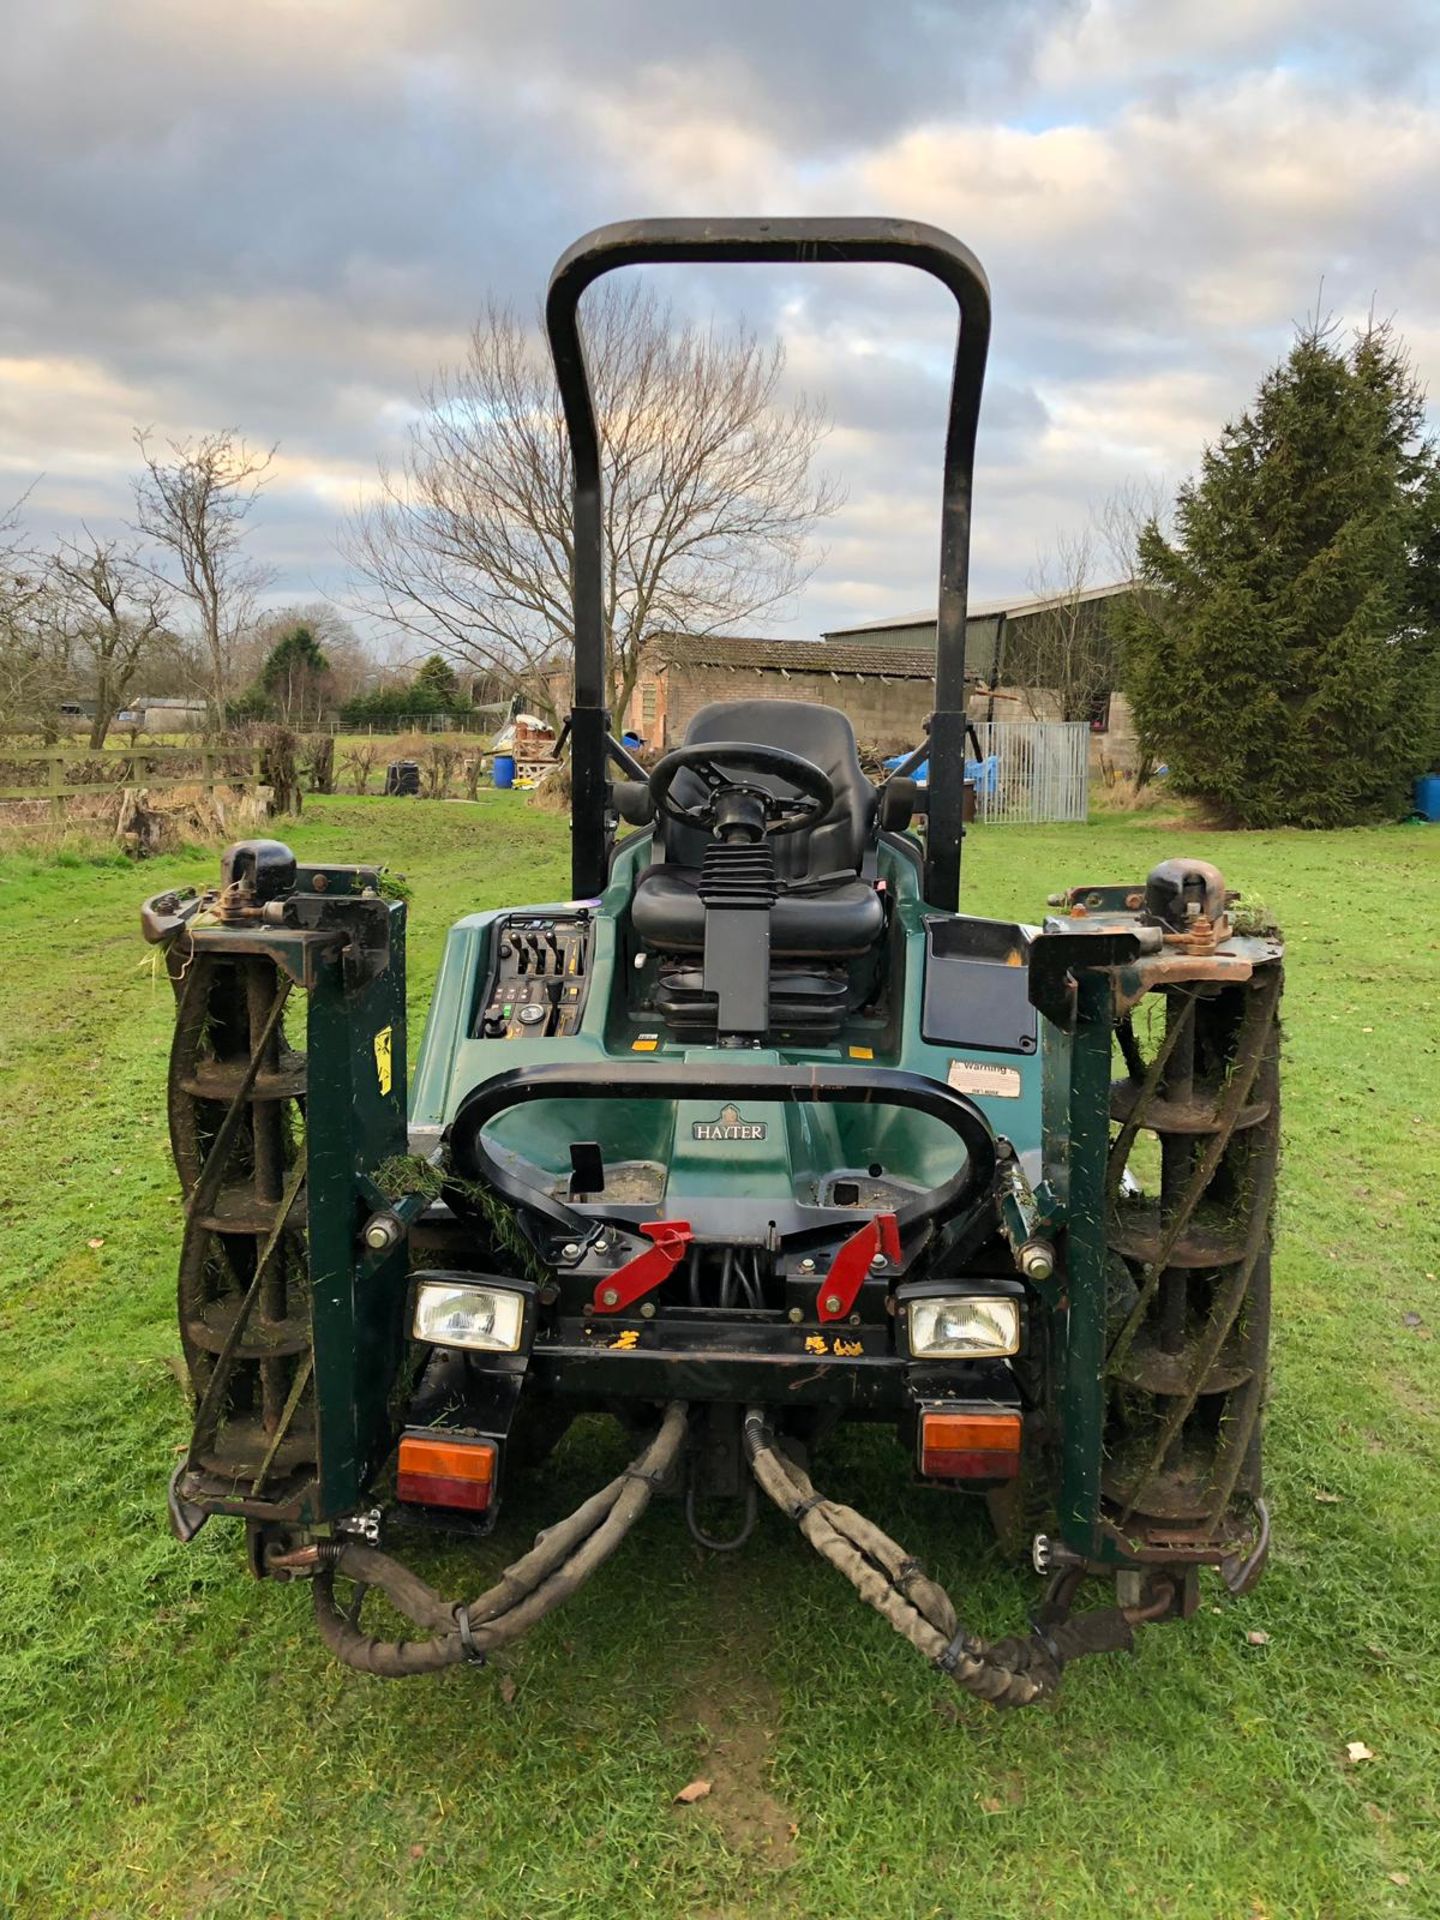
x,y
562,1559
1008,1673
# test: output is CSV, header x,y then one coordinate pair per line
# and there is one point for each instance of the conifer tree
x,y
295,679
1285,659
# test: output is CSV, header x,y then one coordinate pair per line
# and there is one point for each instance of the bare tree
x,y
1062,656
1123,518
193,501
34,663
114,612
358,762
710,503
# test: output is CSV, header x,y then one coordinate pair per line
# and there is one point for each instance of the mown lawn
x,y
173,1740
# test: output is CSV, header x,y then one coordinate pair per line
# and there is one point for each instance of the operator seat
x,y
827,906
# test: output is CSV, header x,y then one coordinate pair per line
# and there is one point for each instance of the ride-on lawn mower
x,y
755,1134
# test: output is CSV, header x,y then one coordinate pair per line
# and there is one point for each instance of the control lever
x,y
554,988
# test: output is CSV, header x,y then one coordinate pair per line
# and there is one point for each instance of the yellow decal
x,y
625,1341
862,1053
815,1343
647,1043
384,1065
847,1349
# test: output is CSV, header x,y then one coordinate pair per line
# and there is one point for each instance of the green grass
x,y
173,1740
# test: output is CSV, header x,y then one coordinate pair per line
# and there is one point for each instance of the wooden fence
x,y
134,767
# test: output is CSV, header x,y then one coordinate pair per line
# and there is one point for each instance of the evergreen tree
x,y
1285,661
435,688
295,680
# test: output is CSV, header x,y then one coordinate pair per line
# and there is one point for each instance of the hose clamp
x,y
655,1479
473,1655
962,1647
1040,1634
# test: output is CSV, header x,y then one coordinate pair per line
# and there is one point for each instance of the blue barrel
x,y
504,772
1427,797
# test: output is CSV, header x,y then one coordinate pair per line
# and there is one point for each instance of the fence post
x,y
57,783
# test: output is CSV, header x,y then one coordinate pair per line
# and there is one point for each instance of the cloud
x,y
285,218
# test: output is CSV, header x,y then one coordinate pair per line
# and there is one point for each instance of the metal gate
x,y
1031,770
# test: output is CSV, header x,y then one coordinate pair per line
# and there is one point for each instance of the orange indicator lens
x,y
970,1446
446,1473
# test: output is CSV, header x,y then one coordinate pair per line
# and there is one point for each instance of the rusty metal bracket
x,y
1055,958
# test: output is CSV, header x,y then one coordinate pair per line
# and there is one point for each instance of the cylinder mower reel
x,y
753,1135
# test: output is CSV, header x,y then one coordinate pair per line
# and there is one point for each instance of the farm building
x,y
994,638
886,691
171,715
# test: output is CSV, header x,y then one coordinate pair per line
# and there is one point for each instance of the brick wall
x,y
888,713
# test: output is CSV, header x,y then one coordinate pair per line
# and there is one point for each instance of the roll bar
x,y
657,242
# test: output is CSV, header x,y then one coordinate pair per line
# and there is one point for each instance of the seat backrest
x,y
839,842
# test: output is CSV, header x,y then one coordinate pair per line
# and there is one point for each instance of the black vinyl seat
x,y
827,906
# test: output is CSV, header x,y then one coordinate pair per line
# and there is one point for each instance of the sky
x,y
283,216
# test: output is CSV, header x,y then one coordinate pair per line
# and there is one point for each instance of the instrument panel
x,y
539,977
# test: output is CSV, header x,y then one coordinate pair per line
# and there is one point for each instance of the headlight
x,y
975,1325
489,1319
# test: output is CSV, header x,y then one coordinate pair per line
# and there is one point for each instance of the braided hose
x,y
562,1560
1008,1673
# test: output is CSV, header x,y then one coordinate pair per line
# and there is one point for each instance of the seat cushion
x,y
846,918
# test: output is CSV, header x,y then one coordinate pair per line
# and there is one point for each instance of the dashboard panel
x,y
539,976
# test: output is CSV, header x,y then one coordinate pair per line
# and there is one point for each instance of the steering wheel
x,y
722,766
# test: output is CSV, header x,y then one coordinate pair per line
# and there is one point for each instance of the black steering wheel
x,y
722,766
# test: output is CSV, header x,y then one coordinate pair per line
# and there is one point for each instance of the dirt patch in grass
x,y
737,1712
1410,1398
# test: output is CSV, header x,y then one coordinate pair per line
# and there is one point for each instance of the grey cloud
x,y
285,218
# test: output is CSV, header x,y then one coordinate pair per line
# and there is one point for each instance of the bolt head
x,y
807,1266
833,1303
1037,1263
571,1250
796,1315
610,1297
878,1262
602,1246
647,1310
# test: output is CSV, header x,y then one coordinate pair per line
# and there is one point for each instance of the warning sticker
x,y
984,1077
384,1059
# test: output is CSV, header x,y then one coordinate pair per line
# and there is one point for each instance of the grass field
x,y
174,1742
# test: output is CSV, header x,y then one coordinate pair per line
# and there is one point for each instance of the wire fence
x,y
1032,771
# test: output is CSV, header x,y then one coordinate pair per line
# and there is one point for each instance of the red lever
x,y
619,1289
839,1288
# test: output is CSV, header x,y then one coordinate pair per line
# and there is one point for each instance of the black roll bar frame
x,y
805,241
